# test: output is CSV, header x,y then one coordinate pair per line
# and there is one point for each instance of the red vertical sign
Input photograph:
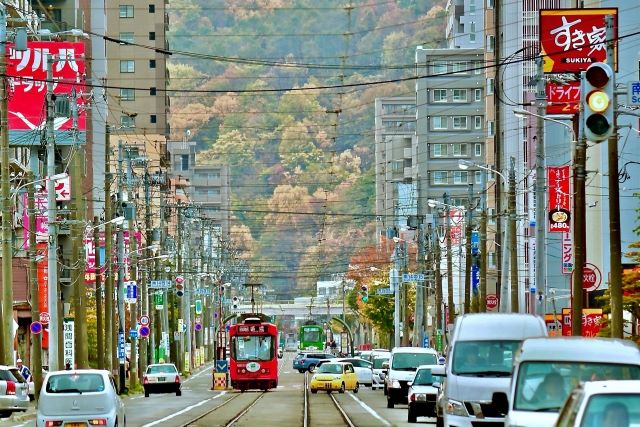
x,y
559,201
43,278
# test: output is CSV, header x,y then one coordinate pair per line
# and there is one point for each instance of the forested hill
x,y
283,91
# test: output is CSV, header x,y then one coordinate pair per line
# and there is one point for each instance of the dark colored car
x,y
307,361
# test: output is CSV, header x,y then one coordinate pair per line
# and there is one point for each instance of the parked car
x,y
602,403
162,378
14,392
422,395
339,376
78,398
377,373
307,361
363,368
400,369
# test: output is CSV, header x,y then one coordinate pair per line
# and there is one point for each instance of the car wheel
x,y
178,392
411,416
301,371
314,391
355,390
389,402
312,368
342,388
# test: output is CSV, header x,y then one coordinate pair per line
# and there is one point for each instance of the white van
x,y
479,363
401,368
546,370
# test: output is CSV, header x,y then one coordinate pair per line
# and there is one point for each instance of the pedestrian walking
x,y
24,370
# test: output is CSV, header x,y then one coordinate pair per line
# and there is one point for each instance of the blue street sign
x,y
384,291
425,342
36,327
133,333
475,278
132,290
121,346
160,284
221,366
412,277
475,240
144,331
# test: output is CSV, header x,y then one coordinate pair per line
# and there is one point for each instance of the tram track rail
x,y
307,413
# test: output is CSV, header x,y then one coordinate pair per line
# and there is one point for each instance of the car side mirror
x,y
500,402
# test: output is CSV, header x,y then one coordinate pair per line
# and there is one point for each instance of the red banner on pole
x,y
573,39
42,272
559,202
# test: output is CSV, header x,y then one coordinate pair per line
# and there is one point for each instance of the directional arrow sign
x,y
221,366
62,188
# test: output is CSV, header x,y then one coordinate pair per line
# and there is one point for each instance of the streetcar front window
x,y
253,348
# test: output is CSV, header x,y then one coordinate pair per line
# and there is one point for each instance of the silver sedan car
x,y
161,378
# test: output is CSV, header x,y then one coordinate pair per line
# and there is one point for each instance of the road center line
x,y
369,410
187,409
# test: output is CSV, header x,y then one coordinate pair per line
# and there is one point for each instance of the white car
x,y
80,397
378,372
602,403
363,369
422,395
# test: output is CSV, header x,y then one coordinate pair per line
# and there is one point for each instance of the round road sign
x,y
591,277
44,318
198,326
36,327
144,320
144,331
492,301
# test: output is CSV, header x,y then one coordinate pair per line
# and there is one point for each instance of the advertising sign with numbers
x,y
559,201
563,98
573,39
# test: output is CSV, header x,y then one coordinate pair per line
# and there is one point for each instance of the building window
x,y
438,122
490,4
459,95
478,177
472,6
440,178
491,259
439,150
213,175
184,162
152,35
477,150
477,122
459,150
126,37
460,122
460,177
472,32
152,63
152,8
439,95
490,128
477,95
126,11
397,165
127,94
127,66
153,118
439,67
213,192
461,67
491,43
478,68
127,121
404,109
490,86
152,91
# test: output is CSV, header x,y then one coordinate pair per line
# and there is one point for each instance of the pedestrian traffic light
x,y
365,293
234,302
598,97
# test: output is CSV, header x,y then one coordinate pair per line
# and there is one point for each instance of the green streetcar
x,y
312,336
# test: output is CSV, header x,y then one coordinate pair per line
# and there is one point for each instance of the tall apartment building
x,y
465,24
395,139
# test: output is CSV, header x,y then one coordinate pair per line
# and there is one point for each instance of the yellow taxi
x,y
332,376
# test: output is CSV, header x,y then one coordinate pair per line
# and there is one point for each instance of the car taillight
x,y
145,380
11,387
98,422
412,398
177,381
52,423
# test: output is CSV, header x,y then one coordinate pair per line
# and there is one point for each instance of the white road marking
x,y
198,374
369,410
187,409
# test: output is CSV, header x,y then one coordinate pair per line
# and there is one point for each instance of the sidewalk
x,y
20,417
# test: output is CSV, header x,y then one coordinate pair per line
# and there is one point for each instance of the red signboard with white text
x,y
573,39
559,202
27,72
42,273
563,98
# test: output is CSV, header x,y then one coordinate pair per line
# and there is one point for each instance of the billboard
x,y
573,39
563,98
559,198
27,75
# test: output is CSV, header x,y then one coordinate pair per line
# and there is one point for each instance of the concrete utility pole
x,y
513,238
394,280
467,271
144,281
6,326
109,319
437,260
120,290
541,253
36,339
450,303
133,276
179,355
98,294
418,330
482,297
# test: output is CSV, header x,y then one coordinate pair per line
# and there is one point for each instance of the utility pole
x,y
438,274
179,345
405,297
513,238
452,307
36,339
540,250
109,342
133,276
6,325
120,289
418,334
394,280
482,299
467,271
52,269
98,283
144,281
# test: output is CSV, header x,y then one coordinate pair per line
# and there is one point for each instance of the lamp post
x,y
540,261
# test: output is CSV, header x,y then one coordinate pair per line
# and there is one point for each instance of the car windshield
x,y
330,368
378,361
161,369
410,361
544,386
612,410
484,358
75,383
255,347
423,377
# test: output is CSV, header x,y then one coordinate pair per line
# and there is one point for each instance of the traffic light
x,y
365,293
234,302
179,286
597,93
